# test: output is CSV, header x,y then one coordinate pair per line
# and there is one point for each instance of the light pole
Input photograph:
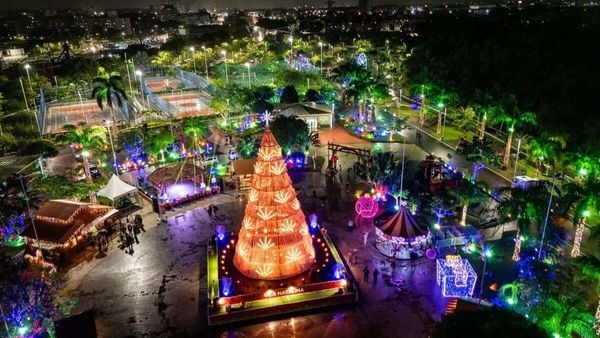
x,y
439,121
27,66
128,73
321,59
205,61
247,64
547,214
517,158
444,125
485,254
224,53
193,50
139,74
291,40
112,146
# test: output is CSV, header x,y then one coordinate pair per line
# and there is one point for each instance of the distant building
x,y
122,25
12,55
315,115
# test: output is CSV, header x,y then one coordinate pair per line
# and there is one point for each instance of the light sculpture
x,y
455,276
274,242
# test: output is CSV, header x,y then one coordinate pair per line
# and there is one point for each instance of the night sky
x,y
210,4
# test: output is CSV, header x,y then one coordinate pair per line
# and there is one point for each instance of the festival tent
x,y
116,188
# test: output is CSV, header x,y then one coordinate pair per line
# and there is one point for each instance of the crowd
x,y
128,233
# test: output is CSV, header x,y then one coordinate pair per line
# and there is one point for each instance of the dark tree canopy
x,y
488,323
291,133
487,60
289,95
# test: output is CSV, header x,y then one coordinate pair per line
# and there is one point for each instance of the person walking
x,y
132,233
140,222
209,210
129,242
375,274
366,274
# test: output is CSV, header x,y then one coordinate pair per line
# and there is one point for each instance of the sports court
x,y
187,104
58,115
163,84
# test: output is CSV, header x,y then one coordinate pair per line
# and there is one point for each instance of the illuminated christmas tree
x,y
273,242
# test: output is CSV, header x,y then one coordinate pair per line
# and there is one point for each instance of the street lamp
x,y
27,66
224,53
439,122
547,213
205,62
139,74
247,64
112,146
193,49
321,59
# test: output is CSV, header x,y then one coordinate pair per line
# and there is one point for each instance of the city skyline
x,y
208,4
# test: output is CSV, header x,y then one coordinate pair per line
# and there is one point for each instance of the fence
x,y
191,80
162,105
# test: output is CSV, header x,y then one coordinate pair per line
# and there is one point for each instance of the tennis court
x,y
61,114
163,84
187,104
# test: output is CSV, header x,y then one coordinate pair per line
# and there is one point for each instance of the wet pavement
x,y
160,290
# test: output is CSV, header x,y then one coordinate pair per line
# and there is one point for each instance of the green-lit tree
x,y
514,120
92,138
584,197
544,149
526,207
589,269
468,193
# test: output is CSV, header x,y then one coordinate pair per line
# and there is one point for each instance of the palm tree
x,y
526,207
585,197
196,129
544,149
589,268
514,121
469,193
92,138
109,88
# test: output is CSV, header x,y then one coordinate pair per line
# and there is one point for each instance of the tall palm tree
x,y
585,198
468,193
544,149
589,268
514,120
92,138
526,207
109,89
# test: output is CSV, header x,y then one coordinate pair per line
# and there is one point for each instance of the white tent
x,y
116,188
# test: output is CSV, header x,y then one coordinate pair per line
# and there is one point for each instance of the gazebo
x,y
401,235
116,189
180,183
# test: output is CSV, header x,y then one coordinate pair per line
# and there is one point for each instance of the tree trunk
x,y
438,130
516,256
463,220
422,112
506,160
578,237
86,169
482,129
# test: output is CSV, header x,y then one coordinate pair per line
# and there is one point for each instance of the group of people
x,y
212,212
128,233
366,275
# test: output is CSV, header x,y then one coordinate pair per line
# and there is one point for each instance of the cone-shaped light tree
x,y
274,242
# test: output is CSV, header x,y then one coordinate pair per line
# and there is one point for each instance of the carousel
x,y
402,235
